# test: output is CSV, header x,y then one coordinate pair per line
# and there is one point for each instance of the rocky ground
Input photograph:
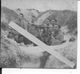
x,y
54,30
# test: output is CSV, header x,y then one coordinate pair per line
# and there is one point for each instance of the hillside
x,y
28,14
8,15
62,18
52,27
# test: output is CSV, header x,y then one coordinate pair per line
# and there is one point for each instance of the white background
x,y
41,5
51,71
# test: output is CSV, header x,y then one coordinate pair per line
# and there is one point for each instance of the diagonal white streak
x,y
41,44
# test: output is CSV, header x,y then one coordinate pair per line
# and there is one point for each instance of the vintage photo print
x,y
38,34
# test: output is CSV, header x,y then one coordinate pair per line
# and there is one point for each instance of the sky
x,y
41,5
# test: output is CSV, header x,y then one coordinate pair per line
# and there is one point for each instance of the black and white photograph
x,y
38,34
